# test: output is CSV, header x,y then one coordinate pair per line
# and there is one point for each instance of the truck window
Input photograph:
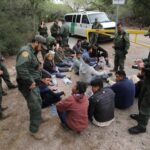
x,y
78,18
74,18
102,17
68,18
85,19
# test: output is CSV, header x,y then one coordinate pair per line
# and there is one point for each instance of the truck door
x,y
85,24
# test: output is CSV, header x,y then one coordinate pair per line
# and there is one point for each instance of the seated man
x,y
68,52
73,110
87,53
101,104
77,46
100,52
60,58
77,62
47,95
50,66
87,72
124,90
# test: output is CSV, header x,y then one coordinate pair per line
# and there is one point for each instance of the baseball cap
x,y
40,39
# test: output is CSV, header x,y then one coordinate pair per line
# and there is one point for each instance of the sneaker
x,y
12,86
136,130
37,136
70,69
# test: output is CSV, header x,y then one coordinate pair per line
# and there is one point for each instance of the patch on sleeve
x,y
25,54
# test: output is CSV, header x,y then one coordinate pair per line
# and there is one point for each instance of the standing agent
x,y
2,116
144,103
64,31
96,25
28,78
43,29
55,31
5,76
121,46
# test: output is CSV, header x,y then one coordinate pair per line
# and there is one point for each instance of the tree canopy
x,y
19,19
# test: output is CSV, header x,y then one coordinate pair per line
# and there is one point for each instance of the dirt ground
x,y
14,133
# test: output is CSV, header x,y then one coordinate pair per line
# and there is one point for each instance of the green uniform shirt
x,y
121,41
50,40
64,30
148,33
55,29
59,57
96,25
27,65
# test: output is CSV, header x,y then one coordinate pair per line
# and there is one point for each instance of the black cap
x,y
45,74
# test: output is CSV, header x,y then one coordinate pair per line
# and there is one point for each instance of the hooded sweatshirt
x,y
76,108
87,72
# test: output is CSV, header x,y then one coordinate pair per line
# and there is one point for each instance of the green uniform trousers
x,y
144,112
64,41
5,75
0,97
94,38
119,61
34,102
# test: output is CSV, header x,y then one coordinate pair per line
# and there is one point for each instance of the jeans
x,y
62,117
58,75
63,64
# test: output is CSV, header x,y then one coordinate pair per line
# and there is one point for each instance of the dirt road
x,y
14,130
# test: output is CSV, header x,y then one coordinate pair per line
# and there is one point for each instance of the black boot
x,y
134,116
136,130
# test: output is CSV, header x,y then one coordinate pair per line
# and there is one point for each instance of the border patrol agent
x,y
50,42
5,76
2,116
28,78
144,98
121,46
64,32
94,36
148,33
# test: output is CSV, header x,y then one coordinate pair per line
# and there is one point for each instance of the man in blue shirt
x,y
86,55
124,90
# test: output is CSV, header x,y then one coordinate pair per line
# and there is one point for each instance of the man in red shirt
x,y
73,110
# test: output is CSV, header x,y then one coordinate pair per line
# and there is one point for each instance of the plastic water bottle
x,y
53,110
54,80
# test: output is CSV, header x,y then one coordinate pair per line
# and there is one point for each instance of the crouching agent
x,y
73,110
101,104
28,78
